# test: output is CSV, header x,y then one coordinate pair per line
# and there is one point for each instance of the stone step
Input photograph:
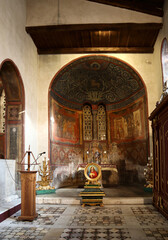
x,y
43,199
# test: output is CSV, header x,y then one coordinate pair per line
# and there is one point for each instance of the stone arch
x,y
13,137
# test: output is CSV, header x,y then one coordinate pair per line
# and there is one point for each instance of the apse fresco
x,y
129,130
65,125
63,155
96,79
128,124
123,151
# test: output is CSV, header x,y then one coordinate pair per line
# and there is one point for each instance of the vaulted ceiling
x,y
102,38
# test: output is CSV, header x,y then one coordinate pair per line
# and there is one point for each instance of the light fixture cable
x,y
58,12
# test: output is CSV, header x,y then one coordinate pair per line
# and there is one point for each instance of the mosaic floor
x,y
72,222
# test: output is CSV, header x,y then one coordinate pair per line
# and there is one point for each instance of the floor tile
x,y
67,222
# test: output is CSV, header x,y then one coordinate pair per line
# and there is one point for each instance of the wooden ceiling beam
x,y
153,8
96,50
93,27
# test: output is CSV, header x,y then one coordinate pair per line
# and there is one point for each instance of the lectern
x,y
28,191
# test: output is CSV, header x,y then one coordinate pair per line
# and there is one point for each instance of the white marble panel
x,y
7,179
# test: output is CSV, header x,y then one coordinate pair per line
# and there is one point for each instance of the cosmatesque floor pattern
x,y
73,222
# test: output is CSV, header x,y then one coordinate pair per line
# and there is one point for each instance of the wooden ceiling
x,y
101,38
96,38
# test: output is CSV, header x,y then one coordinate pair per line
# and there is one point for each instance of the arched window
x,y
165,62
87,123
101,122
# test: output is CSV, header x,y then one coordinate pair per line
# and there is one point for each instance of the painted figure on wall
x,y
137,123
130,125
119,129
127,126
65,124
68,129
58,122
65,128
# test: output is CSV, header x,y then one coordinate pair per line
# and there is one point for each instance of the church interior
x,y
84,82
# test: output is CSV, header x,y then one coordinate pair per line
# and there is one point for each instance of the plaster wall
x,y
16,45
51,12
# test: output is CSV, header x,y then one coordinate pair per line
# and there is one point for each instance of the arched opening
x,y
12,106
164,58
113,97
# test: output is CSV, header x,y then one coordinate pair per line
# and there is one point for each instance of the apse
x,y
98,113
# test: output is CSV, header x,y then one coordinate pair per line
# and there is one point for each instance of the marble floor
x,y
72,222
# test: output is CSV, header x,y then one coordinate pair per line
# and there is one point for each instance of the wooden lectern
x,y
28,191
